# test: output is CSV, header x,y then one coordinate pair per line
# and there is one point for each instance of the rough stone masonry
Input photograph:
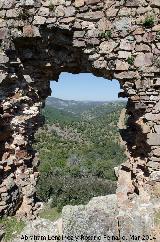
x,y
114,39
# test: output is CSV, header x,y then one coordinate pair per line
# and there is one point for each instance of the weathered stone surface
x,y
156,152
3,33
92,1
79,34
123,24
157,129
111,12
132,3
43,11
148,37
124,54
42,228
59,12
143,60
69,11
3,58
156,28
91,15
152,117
104,24
79,43
97,218
155,176
153,139
30,31
39,20
143,48
127,75
102,220
107,47
79,3
155,3
121,65
127,45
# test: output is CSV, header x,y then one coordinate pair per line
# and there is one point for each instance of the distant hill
x,y
79,108
60,103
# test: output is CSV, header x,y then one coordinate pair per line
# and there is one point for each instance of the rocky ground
x,y
36,230
99,220
40,230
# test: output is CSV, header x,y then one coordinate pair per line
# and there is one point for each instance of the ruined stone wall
x,y
115,39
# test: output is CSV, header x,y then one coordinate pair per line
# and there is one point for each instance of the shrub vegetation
x,y
78,152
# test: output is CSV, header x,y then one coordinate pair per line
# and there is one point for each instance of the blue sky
x,y
85,86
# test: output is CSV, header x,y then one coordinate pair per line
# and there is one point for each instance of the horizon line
x,y
84,100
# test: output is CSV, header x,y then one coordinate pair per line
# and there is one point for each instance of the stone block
x,y
143,60
3,33
155,176
91,2
153,139
7,4
156,152
79,3
124,54
30,3
155,3
156,27
69,11
91,16
140,106
97,218
12,13
39,20
79,43
122,24
142,48
153,165
132,3
79,34
28,31
152,117
122,65
127,45
2,77
43,11
107,46
157,129
127,75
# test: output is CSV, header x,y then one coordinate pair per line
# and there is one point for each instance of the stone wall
x,y
114,39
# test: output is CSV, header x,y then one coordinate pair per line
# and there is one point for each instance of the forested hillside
x,y
79,148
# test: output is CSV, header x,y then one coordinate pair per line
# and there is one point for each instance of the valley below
x,y
79,146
